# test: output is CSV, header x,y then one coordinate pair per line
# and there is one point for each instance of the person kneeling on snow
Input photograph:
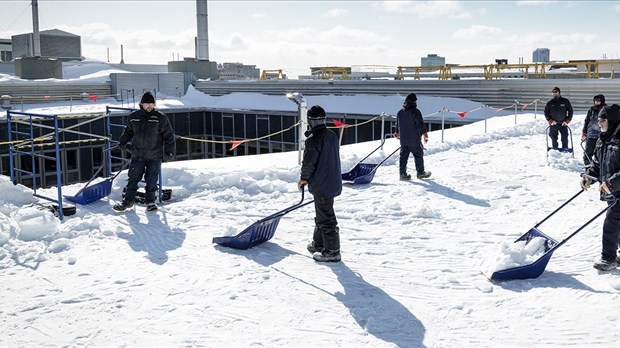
x,y
320,170
606,167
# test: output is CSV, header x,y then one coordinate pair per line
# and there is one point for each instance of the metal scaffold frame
x,y
21,139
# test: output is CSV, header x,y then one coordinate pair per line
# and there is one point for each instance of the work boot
x,y
313,248
605,265
405,177
151,207
122,206
424,175
327,256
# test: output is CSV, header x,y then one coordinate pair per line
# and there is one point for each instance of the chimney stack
x,y
202,49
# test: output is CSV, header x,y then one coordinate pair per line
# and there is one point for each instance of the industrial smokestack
x,y
122,58
36,45
202,49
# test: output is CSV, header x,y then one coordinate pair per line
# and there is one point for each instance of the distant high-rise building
x,y
433,60
541,55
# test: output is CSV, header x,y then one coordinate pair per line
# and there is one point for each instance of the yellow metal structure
x,y
327,73
278,72
591,69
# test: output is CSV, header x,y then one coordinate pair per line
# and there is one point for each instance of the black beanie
x,y
599,97
411,97
316,112
147,98
611,113
556,89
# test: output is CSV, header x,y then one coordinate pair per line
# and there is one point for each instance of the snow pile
x,y
506,255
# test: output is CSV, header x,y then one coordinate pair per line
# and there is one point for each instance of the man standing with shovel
x,y
320,170
606,168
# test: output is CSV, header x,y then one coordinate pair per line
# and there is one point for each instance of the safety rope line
x,y
244,140
61,142
346,125
343,125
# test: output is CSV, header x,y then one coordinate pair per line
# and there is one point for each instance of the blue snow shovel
x,y
536,268
260,231
363,173
89,194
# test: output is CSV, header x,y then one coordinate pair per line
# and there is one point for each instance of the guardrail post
x,y
302,107
516,104
442,123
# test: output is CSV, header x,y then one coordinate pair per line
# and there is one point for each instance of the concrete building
x,y
54,44
433,60
6,50
541,55
238,71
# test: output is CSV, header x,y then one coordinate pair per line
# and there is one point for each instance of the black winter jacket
x,y
321,163
559,110
149,133
410,126
606,160
590,124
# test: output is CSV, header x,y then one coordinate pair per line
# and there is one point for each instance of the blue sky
x,y
294,35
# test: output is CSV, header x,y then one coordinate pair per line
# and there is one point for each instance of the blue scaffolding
x,y
28,140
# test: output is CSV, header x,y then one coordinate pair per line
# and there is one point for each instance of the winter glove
x,y
552,122
585,184
396,135
606,188
301,184
425,136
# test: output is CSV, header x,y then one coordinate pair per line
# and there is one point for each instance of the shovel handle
x,y
560,207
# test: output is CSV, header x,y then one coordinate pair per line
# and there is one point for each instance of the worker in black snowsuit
x,y
606,168
410,130
559,113
591,130
152,140
320,170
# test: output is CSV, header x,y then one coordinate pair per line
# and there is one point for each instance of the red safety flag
x,y
462,114
524,106
339,124
46,97
92,97
235,144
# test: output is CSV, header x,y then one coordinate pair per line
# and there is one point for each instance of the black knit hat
x,y
411,97
611,113
556,89
316,112
147,98
600,97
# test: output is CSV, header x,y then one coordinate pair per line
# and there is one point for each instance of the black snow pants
x,y
150,171
418,157
326,231
611,232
